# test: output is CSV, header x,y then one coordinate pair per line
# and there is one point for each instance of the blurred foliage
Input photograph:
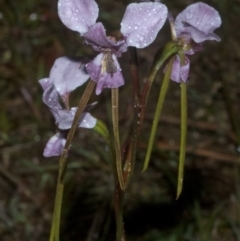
x,y
31,38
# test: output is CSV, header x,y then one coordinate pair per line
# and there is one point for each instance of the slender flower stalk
x,y
117,144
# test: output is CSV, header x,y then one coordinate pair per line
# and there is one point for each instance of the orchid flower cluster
x,y
138,29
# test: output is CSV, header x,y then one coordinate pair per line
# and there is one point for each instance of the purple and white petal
x,y
198,36
87,120
45,83
65,118
199,20
67,75
103,79
142,22
55,145
78,15
109,81
96,36
180,73
94,67
50,96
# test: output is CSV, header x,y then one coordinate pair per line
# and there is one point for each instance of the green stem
x,y
117,145
183,138
161,56
158,111
132,142
54,234
118,204
101,128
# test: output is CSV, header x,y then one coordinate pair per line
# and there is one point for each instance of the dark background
x,y
31,38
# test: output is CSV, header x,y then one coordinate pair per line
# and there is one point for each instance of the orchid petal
x,y
45,83
102,78
180,73
65,119
109,81
50,96
78,15
67,75
55,145
142,22
94,67
96,36
87,120
199,20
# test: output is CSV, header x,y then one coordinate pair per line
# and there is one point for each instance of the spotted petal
x,y
67,74
78,15
142,22
199,20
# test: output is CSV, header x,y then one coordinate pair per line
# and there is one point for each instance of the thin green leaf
x,y
158,111
183,138
161,56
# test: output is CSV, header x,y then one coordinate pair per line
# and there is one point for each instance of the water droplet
x,y
32,17
238,148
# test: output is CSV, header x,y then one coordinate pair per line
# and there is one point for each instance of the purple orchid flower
x,y
65,76
139,27
191,28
